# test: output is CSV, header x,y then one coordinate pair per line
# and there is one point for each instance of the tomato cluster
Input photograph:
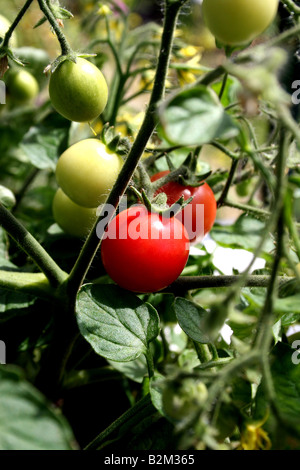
x,y
85,173
142,250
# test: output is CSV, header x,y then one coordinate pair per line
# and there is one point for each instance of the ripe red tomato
x,y
199,215
143,251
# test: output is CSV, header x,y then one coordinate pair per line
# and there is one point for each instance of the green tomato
x,y
75,220
78,91
238,22
4,26
87,171
22,86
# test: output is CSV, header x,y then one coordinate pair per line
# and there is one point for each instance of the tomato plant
x,y
78,91
122,328
236,22
87,170
143,251
199,215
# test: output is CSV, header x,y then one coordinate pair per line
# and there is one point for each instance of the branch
x,y
65,47
15,23
185,283
32,247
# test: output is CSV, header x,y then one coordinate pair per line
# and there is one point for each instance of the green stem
x,y
223,196
264,332
65,47
185,283
261,214
35,284
290,222
292,7
124,424
15,23
32,247
92,243
203,352
224,82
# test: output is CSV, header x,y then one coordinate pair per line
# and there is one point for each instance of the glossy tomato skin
x,y
78,91
75,220
238,22
199,215
87,171
143,251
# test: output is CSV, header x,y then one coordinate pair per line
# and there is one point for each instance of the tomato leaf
x,y
195,117
117,324
190,316
44,143
28,421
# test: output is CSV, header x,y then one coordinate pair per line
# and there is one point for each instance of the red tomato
x,y
143,251
199,215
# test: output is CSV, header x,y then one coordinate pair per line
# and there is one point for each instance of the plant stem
x,y
292,7
262,214
203,352
185,283
14,24
92,243
32,247
224,82
264,331
65,47
227,186
124,424
35,284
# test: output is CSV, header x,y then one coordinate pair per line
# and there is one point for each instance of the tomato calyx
x,y
72,57
158,204
186,174
114,142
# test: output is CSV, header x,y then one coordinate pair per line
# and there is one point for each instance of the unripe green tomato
x,y
22,86
87,171
238,22
75,220
78,91
4,26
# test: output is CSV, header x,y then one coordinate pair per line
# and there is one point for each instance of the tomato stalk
x,y
66,49
15,23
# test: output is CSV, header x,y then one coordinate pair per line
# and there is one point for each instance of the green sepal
x,y
115,142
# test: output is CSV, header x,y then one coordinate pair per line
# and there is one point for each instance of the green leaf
x,y
245,233
44,143
28,421
134,370
195,117
117,324
157,384
190,317
14,303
